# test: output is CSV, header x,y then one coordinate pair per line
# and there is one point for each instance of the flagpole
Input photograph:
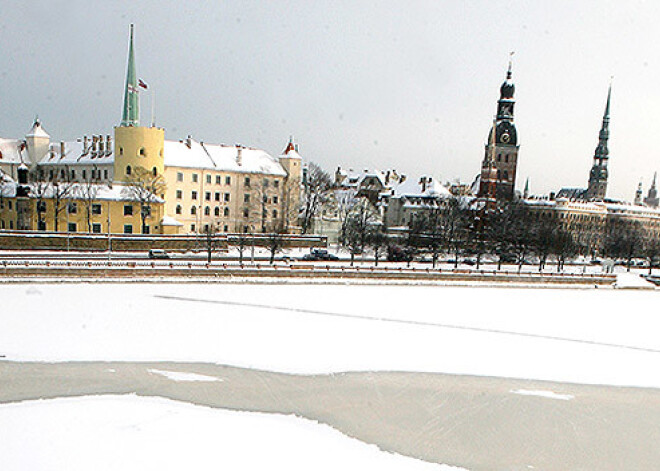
x,y
153,100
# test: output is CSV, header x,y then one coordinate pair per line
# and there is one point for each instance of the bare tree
x,y
378,241
360,222
88,192
625,240
145,187
316,186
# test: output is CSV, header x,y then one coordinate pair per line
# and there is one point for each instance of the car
x,y
158,253
319,255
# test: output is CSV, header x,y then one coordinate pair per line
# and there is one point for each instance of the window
x,y
225,228
62,174
128,229
84,173
246,213
146,230
128,210
179,176
217,196
227,180
207,211
96,228
194,195
192,228
9,205
179,194
506,158
73,174
218,179
275,199
226,197
274,213
143,153
207,196
247,181
105,174
246,198
11,224
265,183
73,208
93,173
193,210
226,212
41,225
499,157
96,208
217,211
208,179
194,178
178,209
154,171
276,183
206,228
121,151
128,170
72,227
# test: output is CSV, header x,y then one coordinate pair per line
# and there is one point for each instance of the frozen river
x,y
429,364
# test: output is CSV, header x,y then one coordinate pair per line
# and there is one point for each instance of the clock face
x,y
505,137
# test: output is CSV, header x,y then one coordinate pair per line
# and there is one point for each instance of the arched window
x,y
274,213
143,152
506,175
226,212
193,210
499,175
217,210
128,170
155,171
207,211
178,209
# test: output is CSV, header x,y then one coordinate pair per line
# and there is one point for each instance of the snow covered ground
x,y
130,434
574,335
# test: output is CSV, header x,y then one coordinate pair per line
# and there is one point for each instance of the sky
x,y
411,86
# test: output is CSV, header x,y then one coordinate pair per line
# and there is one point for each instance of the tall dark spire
x,y
598,175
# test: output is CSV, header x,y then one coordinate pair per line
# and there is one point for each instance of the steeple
x,y
638,194
652,199
131,113
526,191
598,175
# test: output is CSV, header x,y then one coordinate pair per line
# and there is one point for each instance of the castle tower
x,y
652,200
136,146
598,174
500,162
291,161
38,142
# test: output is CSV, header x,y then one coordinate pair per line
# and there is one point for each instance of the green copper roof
x,y
131,113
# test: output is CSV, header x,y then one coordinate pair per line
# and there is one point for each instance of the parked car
x,y
158,253
318,255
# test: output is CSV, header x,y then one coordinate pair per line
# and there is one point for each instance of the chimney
x,y
85,148
387,178
101,145
239,155
422,181
62,149
108,147
189,141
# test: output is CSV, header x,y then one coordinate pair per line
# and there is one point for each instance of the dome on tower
x,y
507,89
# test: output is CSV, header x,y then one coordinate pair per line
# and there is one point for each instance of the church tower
x,y
598,175
498,169
652,200
136,146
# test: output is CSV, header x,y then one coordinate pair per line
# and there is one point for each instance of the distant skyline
x,y
410,86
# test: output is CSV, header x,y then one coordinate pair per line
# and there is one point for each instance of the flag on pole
x,y
142,84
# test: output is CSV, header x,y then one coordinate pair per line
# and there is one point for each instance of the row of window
x,y
129,171
225,212
226,197
218,180
95,174
142,152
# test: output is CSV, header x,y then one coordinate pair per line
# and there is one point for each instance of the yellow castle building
x,y
141,183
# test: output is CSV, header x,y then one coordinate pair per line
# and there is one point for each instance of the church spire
x,y
131,112
598,175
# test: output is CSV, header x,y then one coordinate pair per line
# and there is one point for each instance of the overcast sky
x,y
389,84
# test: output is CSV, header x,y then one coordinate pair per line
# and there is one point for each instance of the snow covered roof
x,y
37,130
12,151
170,221
429,187
75,153
193,154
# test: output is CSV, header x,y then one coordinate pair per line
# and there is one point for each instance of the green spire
x,y
131,114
